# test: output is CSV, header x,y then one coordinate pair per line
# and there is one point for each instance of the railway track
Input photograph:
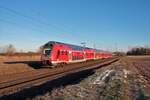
x,y
29,79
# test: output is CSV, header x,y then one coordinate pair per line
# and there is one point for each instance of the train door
x,y
58,55
62,58
70,55
64,55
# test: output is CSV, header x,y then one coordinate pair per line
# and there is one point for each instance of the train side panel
x,y
55,52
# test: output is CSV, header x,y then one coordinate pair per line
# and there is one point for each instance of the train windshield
x,y
47,52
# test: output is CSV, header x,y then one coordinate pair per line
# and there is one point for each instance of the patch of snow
x,y
105,76
126,72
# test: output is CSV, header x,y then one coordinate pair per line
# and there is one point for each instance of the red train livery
x,y
56,52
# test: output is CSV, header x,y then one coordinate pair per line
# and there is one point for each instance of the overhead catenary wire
x,y
34,19
63,32
18,25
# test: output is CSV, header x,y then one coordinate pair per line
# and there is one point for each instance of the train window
x,y
47,52
58,53
62,52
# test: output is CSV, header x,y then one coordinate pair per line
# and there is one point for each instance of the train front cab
x,y
46,54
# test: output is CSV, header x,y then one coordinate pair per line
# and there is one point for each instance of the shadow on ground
x,y
33,64
30,93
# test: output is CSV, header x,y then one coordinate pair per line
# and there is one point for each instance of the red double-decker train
x,y
54,53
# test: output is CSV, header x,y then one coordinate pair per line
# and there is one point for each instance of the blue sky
x,y
108,24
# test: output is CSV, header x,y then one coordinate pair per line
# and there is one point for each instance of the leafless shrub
x,y
9,49
119,53
1,50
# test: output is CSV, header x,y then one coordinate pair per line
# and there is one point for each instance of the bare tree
x,y
1,50
139,51
9,49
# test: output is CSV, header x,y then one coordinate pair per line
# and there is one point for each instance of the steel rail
x,y
12,86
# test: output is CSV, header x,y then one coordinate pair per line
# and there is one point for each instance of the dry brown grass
x,y
19,58
6,69
138,57
15,64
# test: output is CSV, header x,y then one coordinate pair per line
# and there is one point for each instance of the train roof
x,y
75,47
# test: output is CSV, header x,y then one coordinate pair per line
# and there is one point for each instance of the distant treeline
x,y
139,51
11,51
